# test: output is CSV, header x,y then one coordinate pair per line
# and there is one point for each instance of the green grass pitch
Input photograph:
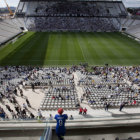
x,y
38,48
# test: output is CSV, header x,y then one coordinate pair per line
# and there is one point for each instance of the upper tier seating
x,y
89,16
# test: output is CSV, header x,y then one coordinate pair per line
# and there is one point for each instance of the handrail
x,y
47,134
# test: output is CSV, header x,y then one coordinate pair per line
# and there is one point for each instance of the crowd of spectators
x,y
93,24
112,87
86,16
56,97
13,79
110,83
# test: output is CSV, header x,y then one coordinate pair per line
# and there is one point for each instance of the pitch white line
x,y
46,60
82,51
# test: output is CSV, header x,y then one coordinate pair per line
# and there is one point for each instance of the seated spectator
x,y
51,117
71,117
53,97
32,116
134,102
2,115
39,114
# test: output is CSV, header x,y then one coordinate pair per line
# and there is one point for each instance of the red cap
x,y
60,111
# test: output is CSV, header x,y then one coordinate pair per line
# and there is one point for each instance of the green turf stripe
x,y
75,48
122,50
90,49
98,47
53,50
110,47
130,45
63,48
116,41
71,48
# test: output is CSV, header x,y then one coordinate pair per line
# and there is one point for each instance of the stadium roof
x,y
70,0
127,3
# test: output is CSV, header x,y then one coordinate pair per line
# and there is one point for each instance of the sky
x,y
128,3
10,3
131,3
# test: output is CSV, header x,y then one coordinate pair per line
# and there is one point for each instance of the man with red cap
x,y
60,127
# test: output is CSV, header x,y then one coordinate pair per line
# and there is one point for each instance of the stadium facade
x,y
87,16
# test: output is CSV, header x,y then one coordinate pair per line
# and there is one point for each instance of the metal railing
x,y
47,134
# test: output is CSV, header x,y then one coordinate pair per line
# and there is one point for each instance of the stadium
x,y
82,56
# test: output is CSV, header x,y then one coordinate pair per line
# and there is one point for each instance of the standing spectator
x,y
80,110
15,91
107,106
28,103
8,107
122,106
13,114
82,99
17,109
14,100
21,92
24,112
24,106
85,111
33,87
60,127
